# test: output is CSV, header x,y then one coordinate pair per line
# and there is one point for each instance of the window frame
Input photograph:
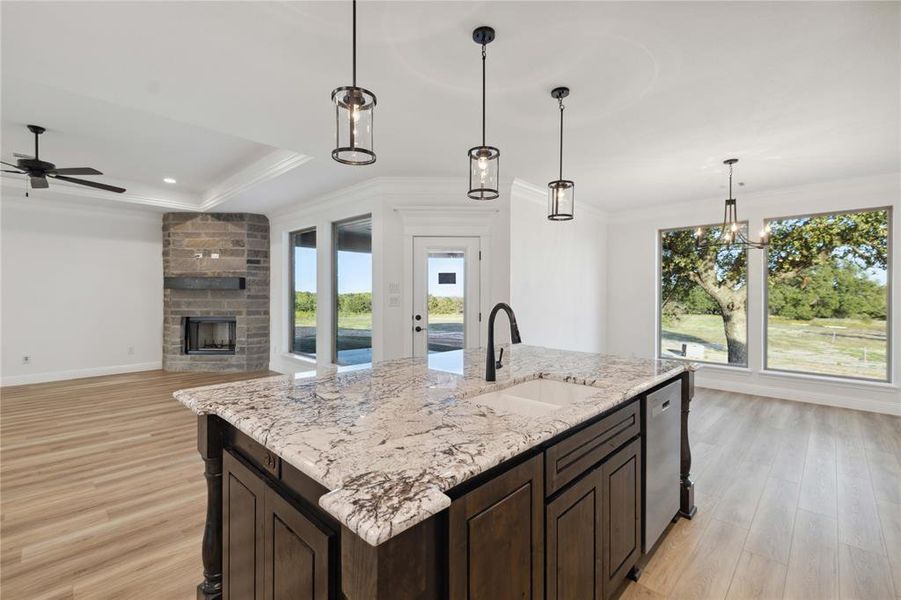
x,y
335,299
889,370
659,308
292,292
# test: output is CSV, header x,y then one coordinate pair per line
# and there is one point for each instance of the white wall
x,y
400,208
557,272
632,287
80,286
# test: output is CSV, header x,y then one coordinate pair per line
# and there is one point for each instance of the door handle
x,y
417,329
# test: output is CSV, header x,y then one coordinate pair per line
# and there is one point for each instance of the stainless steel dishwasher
x,y
662,448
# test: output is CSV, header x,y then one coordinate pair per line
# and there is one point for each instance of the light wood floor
x,y
794,501
101,488
103,497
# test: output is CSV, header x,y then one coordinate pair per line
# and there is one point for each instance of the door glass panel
x,y
445,301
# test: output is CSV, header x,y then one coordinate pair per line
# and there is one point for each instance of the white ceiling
x,y
661,92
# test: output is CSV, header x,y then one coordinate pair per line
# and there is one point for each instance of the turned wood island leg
x,y
209,444
687,506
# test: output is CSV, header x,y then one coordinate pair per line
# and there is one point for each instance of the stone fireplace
x,y
216,292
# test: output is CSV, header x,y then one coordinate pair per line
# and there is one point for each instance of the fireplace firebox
x,y
210,335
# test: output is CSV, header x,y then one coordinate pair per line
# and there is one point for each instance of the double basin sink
x,y
535,398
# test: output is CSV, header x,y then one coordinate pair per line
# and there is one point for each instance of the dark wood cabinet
x,y
296,556
575,541
496,537
594,529
243,495
271,550
621,514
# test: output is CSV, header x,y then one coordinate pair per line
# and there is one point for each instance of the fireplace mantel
x,y
204,283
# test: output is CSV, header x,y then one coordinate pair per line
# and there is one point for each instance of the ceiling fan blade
x,y
9,164
76,171
93,184
16,172
39,182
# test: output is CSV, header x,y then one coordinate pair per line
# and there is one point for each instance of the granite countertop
x,y
388,441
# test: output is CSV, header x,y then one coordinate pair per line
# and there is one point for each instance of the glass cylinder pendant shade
x,y
560,200
354,111
484,165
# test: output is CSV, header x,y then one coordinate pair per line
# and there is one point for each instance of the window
x,y
703,300
828,294
303,292
353,291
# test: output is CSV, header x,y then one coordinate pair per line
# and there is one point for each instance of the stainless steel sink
x,y
534,398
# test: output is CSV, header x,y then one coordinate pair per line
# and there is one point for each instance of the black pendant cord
x,y
354,45
561,138
730,182
484,54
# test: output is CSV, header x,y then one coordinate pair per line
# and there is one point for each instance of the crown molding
x,y
764,199
269,167
265,169
59,191
61,203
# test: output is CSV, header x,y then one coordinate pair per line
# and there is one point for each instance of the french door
x,y
445,294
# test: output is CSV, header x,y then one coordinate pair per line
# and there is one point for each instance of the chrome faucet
x,y
491,365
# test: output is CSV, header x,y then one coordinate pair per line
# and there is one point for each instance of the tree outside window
x,y
703,298
828,294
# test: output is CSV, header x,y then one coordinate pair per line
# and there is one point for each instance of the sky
x,y
354,271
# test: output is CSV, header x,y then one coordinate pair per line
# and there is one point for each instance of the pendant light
x,y
560,193
731,233
354,108
484,159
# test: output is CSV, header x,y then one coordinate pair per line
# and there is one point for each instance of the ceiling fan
x,y
38,170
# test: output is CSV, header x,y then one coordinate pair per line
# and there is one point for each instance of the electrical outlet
x,y
26,359
131,349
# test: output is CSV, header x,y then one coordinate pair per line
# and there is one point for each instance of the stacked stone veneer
x,y
241,241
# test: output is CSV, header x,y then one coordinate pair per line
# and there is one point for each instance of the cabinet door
x,y
574,541
296,556
242,530
621,506
496,536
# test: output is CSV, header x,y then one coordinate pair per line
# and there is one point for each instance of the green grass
x,y
844,347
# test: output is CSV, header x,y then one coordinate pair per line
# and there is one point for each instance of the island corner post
x,y
209,444
687,506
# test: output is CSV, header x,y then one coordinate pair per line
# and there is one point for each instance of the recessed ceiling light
x,y
169,180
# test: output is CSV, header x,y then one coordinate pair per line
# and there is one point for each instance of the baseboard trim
x,y
49,376
844,401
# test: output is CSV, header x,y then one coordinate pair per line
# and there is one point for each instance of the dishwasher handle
x,y
661,408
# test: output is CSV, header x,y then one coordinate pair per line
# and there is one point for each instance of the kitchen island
x,y
414,479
